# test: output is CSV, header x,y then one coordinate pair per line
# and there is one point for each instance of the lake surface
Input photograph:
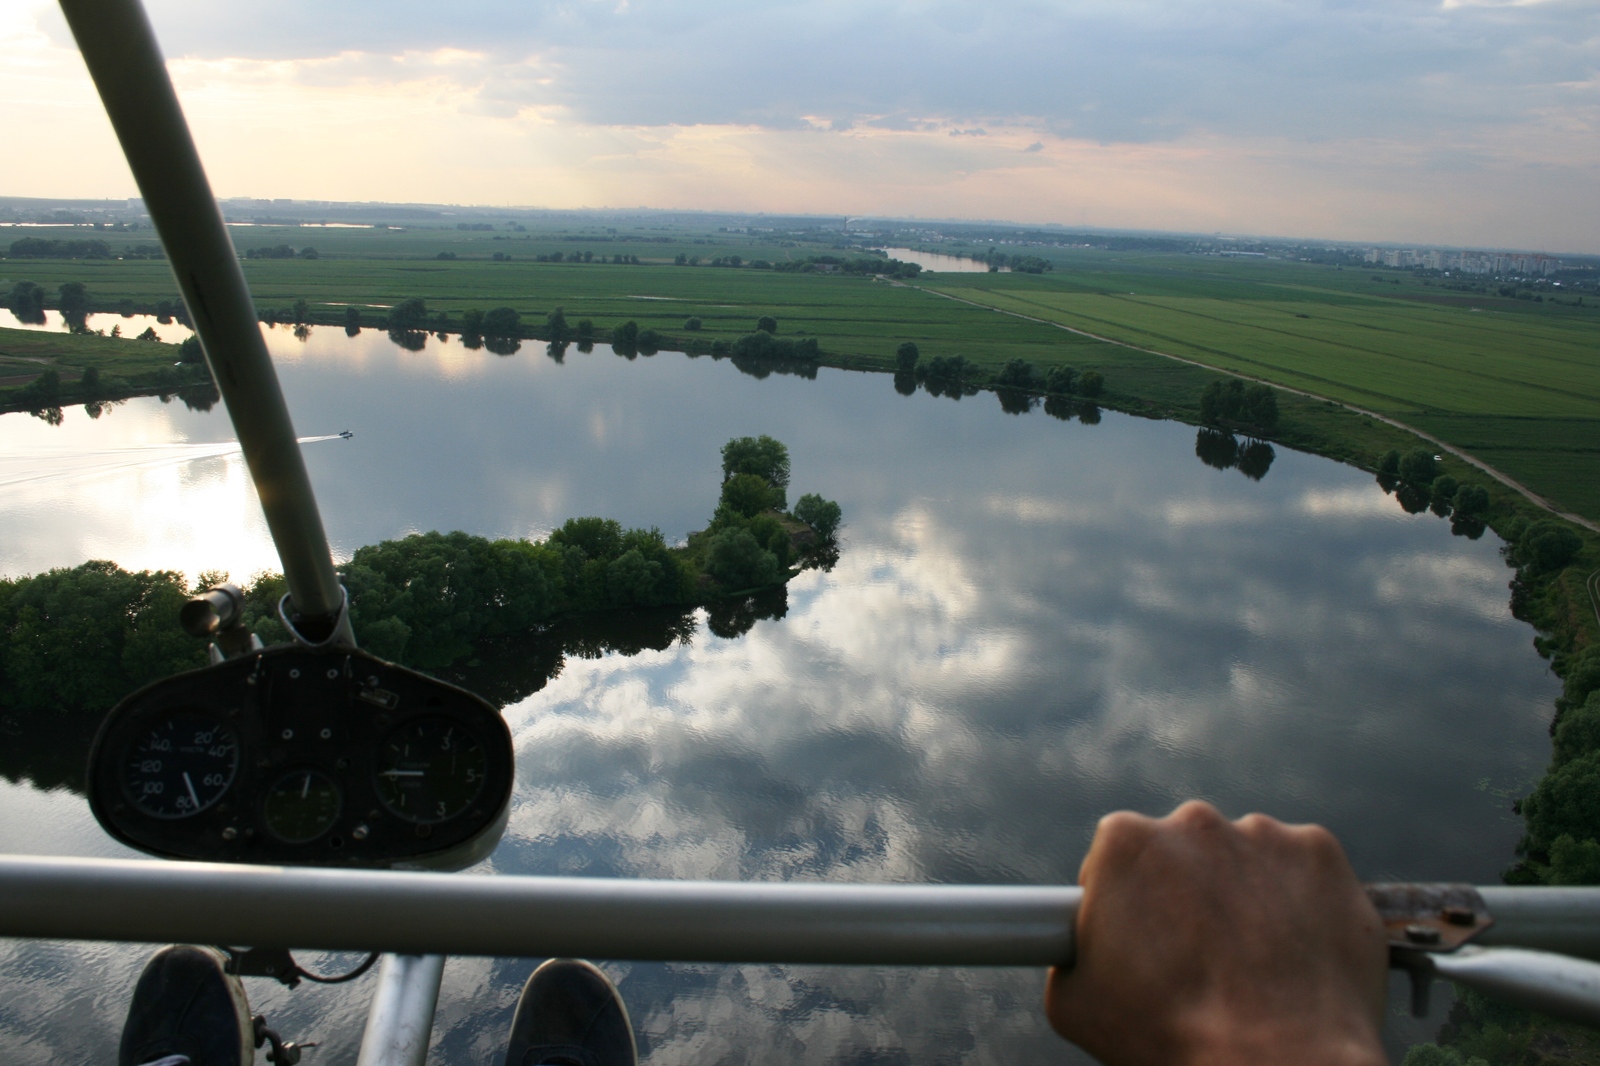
x,y
941,264
1032,622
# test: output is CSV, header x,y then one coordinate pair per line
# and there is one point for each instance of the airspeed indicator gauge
x,y
179,764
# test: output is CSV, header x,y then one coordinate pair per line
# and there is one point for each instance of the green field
x,y
1514,382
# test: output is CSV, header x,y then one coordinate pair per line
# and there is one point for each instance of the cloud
x,y
1141,71
1361,120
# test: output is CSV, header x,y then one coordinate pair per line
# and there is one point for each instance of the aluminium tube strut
x,y
145,901
420,917
120,49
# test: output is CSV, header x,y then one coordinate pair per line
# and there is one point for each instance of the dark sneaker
x,y
186,1006
569,1014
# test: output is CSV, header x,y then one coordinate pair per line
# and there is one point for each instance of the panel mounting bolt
x,y
1422,934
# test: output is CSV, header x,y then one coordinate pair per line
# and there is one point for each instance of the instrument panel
x,y
302,757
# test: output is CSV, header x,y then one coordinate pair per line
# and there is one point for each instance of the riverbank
x,y
42,371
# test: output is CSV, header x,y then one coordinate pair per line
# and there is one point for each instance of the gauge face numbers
x,y
180,764
430,770
301,806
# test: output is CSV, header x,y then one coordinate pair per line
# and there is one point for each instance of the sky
x,y
1464,122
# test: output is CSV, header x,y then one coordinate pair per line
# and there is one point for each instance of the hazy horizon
x,y
1469,123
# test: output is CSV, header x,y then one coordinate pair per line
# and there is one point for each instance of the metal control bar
x,y
684,921
125,62
1533,952
440,914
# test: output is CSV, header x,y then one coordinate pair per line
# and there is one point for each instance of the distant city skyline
x,y
1463,123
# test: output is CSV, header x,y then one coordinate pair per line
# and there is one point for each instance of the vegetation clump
x,y
80,639
1233,403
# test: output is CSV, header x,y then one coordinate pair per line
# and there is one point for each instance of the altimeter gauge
x,y
430,770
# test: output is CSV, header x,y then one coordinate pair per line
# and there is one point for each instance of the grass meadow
x,y
1510,381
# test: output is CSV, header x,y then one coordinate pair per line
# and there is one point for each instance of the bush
x,y
767,324
1058,380
763,345
691,324
906,356
821,515
1091,384
738,561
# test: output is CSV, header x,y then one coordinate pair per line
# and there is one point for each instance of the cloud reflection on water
x,y
1031,624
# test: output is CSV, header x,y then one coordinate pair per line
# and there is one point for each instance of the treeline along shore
x,y
74,641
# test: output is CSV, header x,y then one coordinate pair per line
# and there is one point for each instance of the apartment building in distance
x,y
1531,264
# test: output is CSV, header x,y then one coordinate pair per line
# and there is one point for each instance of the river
x,y
1032,622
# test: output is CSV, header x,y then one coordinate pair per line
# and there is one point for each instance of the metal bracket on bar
x,y
340,636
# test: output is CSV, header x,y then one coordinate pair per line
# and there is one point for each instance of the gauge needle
x,y
305,788
404,773
190,785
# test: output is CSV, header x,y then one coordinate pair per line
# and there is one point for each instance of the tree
x,y
74,298
751,494
1255,459
556,324
502,322
26,301
767,324
821,515
302,311
1390,463
1216,448
1058,380
1260,407
738,561
352,320
691,324
762,456
1091,384
906,356
189,351
1548,545
1016,374
625,337
1472,500
81,639
1417,466
1444,490
408,316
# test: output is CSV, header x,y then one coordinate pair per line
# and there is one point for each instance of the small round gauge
x,y
430,770
301,806
180,764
